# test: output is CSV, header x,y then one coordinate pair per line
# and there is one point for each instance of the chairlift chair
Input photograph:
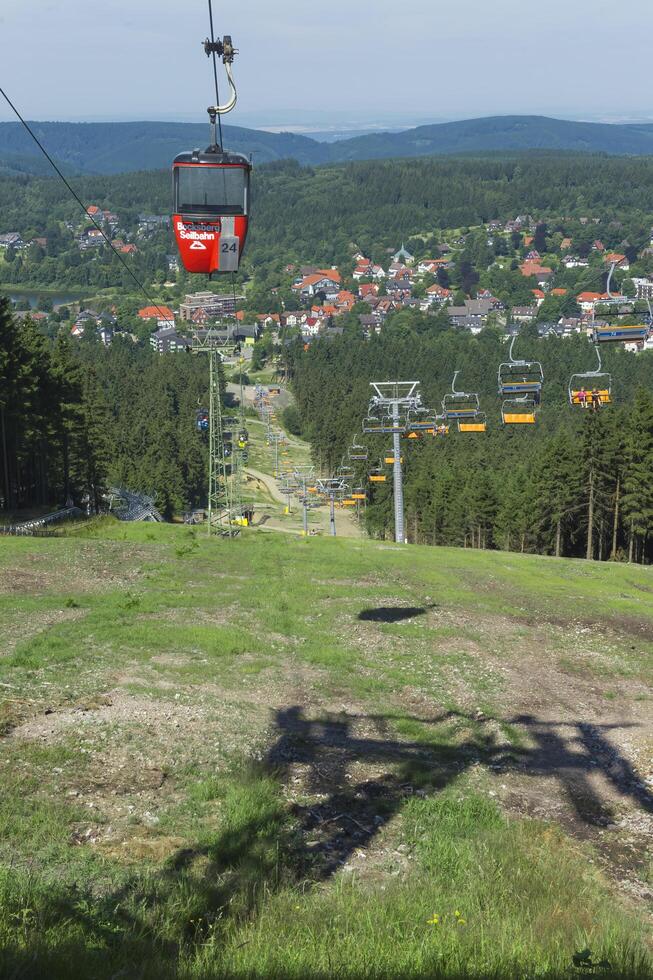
x,y
420,420
358,454
377,475
384,426
460,404
372,423
519,411
620,333
519,377
582,385
476,424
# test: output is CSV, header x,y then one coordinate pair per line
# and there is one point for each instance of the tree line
x,y
76,418
578,483
53,437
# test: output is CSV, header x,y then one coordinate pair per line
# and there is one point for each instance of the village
x,y
540,286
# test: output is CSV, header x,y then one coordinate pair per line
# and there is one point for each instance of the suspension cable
x,y
84,208
215,72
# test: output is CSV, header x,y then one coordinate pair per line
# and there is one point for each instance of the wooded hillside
x,y
577,483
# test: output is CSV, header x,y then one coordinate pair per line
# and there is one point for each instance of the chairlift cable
x,y
81,204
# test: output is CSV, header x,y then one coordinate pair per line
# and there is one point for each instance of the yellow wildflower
x,y
434,920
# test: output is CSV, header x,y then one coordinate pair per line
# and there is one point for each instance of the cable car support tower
x,y
390,409
225,505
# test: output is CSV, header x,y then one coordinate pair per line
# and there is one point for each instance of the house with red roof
x,y
368,289
588,300
438,295
541,272
324,280
162,314
366,269
617,259
345,301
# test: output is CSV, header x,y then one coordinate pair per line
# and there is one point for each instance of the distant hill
x,y
12,165
500,133
111,148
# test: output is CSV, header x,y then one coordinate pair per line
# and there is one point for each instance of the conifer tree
x,y
638,485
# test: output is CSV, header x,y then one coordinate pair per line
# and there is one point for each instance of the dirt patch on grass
x,y
78,568
32,625
220,616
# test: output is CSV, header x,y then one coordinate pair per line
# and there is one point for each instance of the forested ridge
x,y
317,214
111,147
578,483
302,215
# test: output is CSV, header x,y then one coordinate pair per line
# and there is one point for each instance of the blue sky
x,y
339,64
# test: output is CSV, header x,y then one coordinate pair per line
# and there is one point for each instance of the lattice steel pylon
x,y
225,506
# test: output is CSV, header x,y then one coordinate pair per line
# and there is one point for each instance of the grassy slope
x,y
234,757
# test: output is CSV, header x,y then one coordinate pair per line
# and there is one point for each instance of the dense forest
x,y
76,418
53,440
578,483
321,215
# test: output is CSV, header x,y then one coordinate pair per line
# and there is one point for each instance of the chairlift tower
x,y
225,499
394,401
278,438
332,487
302,474
221,502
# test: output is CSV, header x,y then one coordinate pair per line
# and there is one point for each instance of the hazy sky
x,y
342,62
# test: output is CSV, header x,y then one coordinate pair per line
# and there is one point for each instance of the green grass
x,y
282,723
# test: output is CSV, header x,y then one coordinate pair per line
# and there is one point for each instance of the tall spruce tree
x,y
638,483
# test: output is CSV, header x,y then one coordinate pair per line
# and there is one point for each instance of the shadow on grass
x,y
392,614
359,775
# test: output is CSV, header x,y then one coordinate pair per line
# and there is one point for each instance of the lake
x,y
35,298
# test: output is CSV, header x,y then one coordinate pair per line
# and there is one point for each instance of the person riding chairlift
x,y
582,398
596,399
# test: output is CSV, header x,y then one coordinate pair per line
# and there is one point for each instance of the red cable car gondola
x,y
211,194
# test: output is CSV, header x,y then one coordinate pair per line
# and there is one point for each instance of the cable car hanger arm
x,y
225,50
